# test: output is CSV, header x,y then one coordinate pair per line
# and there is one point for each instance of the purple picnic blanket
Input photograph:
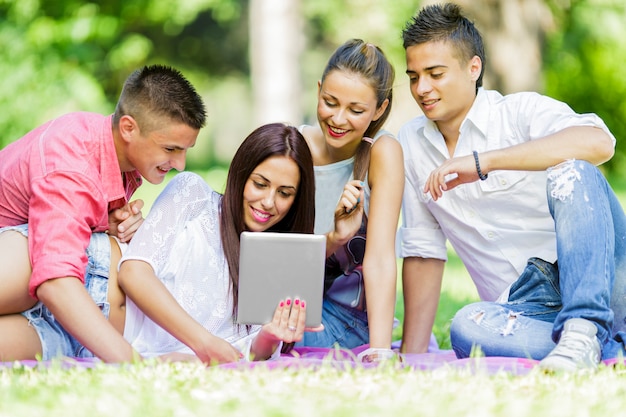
x,y
313,358
310,357
300,358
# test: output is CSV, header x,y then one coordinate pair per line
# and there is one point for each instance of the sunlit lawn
x,y
190,390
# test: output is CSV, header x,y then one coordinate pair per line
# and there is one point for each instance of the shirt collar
x,y
478,114
118,186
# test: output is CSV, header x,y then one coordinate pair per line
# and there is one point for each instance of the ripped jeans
x,y
588,281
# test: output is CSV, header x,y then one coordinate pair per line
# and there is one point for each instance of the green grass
x,y
191,390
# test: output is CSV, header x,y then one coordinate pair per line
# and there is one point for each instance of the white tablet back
x,y
273,266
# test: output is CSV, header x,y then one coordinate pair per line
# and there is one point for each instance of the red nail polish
x,y
297,302
302,304
281,304
288,302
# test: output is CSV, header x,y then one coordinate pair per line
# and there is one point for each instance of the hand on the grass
x,y
214,350
178,357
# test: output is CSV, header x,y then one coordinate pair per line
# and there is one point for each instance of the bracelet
x,y
482,176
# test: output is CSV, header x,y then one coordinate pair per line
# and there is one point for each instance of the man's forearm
x,y
421,280
71,305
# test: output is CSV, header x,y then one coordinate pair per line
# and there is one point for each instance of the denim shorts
x,y
55,341
343,326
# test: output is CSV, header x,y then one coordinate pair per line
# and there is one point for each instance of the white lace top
x,y
180,239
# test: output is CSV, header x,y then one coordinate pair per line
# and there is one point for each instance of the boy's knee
x,y
469,315
463,329
563,179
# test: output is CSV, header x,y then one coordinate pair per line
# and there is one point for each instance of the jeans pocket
x,y
538,284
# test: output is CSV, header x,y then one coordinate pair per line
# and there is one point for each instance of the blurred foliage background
x,y
66,55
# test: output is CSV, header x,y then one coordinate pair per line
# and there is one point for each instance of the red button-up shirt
x,y
62,179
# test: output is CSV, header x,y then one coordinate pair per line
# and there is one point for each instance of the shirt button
x,y
502,182
491,235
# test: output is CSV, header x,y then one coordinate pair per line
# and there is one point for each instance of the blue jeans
x,y
343,326
588,281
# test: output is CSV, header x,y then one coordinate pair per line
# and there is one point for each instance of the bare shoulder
x,y
315,139
387,150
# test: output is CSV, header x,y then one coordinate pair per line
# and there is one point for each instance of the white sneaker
x,y
577,349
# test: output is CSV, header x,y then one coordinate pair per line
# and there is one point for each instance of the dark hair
x,y
446,23
155,92
369,62
269,140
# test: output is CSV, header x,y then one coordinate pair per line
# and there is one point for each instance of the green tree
x,y
74,55
584,59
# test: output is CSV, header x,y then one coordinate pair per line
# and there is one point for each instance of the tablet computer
x,y
273,266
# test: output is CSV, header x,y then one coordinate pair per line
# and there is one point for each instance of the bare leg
x,y
15,273
18,340
115,295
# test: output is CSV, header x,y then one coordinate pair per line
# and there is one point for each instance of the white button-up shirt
x,y
495,225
